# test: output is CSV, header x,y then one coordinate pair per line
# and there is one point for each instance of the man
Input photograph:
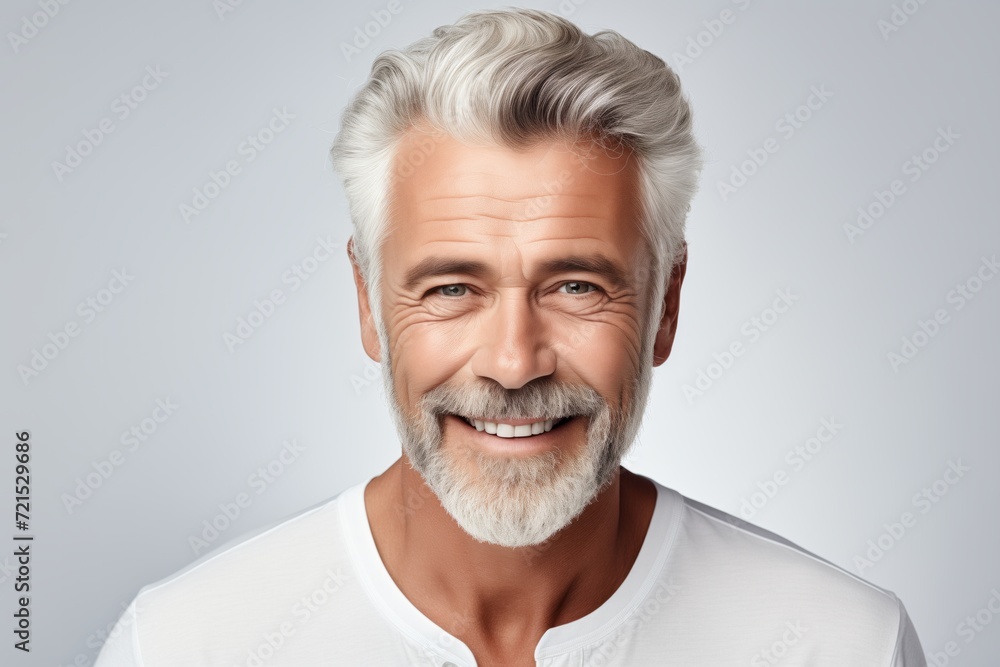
x,y
518,190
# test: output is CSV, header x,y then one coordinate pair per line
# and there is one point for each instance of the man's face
x,y
515,290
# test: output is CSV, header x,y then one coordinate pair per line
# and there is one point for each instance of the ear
x,y
369,336
671,305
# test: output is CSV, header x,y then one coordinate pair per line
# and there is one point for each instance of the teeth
x,y
511,431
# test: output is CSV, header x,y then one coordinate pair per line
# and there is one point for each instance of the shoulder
x,y
735,549
271,556
765,585
264,584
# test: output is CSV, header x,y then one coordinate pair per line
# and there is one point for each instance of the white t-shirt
x,y
706,589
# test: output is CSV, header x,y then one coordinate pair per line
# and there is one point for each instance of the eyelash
x,y
434,290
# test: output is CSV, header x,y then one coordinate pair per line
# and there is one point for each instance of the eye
x,y
579,287
455,289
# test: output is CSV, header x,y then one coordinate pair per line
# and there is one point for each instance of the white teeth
x,y
511,431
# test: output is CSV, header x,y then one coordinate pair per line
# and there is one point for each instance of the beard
x,y
518,501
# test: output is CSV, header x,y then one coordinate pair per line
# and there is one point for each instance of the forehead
x,y
444,189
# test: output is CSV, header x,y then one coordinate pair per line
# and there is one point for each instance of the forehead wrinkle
x,y
557,195
506,183
548,206
507,213
483,217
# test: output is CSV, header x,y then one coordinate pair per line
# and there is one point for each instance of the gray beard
x,y
514,501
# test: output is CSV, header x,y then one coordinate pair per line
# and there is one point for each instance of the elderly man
x,y
519,191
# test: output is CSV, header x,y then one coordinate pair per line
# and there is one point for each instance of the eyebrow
x,y
439,266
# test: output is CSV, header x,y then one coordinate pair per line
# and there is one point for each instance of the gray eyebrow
x,y
439,266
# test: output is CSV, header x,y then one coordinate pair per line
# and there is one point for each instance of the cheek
x,y
425,356
600,355
599,345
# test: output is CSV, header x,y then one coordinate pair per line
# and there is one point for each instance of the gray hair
x,y
511,77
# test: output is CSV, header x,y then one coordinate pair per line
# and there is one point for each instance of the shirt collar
x,y
442,647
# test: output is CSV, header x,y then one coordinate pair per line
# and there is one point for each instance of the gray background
x,y
303,375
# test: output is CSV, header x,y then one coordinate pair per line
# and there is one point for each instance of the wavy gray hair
x,y
511,77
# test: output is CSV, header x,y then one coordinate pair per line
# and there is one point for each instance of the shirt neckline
x,y
397,608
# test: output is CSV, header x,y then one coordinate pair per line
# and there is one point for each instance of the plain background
x,y
302,374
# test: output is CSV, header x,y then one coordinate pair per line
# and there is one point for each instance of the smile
x,y
507,430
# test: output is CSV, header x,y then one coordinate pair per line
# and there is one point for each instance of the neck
x,y
488,592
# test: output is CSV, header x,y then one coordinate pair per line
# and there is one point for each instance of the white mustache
x,y
496,403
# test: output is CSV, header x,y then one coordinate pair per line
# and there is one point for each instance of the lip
x,y
526,446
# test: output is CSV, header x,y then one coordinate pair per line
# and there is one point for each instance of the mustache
x,y
542,397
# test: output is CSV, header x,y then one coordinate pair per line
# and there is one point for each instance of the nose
x,y
513,347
